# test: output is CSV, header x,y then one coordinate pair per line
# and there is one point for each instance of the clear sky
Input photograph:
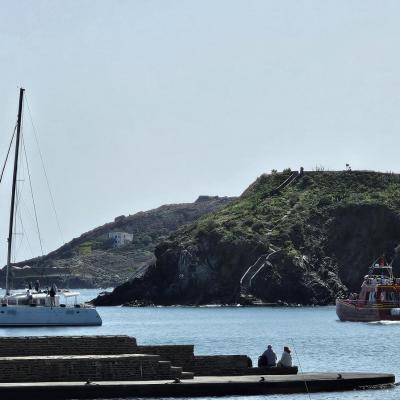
x,y
140,103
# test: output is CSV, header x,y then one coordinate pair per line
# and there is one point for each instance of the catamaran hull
x,y
48,316
347,311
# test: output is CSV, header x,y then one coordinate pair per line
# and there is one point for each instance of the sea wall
x,y
220,365
108,356
179,355
66,345
85,368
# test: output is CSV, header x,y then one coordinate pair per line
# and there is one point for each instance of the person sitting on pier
x,y
286,359
268,358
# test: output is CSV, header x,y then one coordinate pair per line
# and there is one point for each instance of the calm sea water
x,y
321,342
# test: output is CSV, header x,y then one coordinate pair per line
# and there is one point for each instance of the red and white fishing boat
x,y
379,298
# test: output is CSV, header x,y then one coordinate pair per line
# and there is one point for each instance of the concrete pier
x,y
84,367
199,386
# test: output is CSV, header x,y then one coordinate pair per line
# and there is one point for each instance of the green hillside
x,y
92,260
325,227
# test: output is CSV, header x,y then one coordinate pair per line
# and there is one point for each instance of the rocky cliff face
x,y
91,260
308,242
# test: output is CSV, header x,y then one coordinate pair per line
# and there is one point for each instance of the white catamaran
x,y
34,307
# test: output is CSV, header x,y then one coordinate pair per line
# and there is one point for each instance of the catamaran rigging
x,y
8,153
36,307
14,188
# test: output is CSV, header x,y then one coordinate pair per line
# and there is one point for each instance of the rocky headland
x,y
302,238
94,259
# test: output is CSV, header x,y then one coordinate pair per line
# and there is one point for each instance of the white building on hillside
x,y
120,238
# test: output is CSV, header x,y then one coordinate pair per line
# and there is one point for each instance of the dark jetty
x,y
201,386
116,366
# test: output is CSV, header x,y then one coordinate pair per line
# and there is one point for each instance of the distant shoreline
x,y
266,305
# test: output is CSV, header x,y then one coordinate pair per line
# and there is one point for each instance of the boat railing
x,y
5,301
358,302
374,280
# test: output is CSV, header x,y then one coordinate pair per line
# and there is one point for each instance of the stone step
x,y
187,375
164,368
179,355
177,370
219,365
167,371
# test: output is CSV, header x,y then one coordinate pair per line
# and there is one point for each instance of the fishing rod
x,y
301,369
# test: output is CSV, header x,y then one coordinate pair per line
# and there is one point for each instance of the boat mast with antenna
x,y
14,188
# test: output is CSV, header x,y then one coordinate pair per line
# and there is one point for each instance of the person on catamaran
x,y
37,286
268,358
52,293
286,359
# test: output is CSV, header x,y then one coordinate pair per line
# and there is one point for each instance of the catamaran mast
x,y
14,187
